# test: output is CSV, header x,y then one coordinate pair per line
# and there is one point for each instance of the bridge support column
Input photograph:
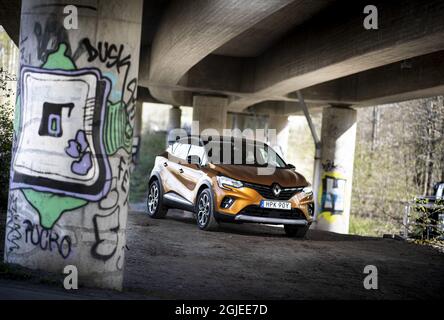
x,y
73,132
211,112
174,116
280,142
338,138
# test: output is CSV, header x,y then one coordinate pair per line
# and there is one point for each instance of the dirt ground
x,y
173,259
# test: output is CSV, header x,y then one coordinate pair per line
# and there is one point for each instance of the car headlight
x,y
224,182
308,190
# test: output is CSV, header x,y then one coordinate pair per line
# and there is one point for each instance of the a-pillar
x,y
73,132
278,138
338,138
210,112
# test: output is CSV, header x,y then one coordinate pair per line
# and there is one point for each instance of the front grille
x,y
257,211
267,191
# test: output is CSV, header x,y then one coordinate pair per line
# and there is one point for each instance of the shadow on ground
x,y
172,258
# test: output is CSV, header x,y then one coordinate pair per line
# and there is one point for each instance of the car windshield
x,y
242,152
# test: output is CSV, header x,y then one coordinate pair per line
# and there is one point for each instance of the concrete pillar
x,y
175,113
174,116
238,121
74,128
280,142
211,112
338,138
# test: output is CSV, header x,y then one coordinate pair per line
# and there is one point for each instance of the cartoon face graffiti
x,y
60,145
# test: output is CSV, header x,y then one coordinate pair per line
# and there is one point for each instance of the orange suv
x,y
226,179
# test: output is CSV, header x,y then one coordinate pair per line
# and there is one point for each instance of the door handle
x,y
165,164
181,170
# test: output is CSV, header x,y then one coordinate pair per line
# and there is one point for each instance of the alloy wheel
x,y
204,209
153,198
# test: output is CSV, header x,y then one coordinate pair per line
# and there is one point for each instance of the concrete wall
x,y
74,127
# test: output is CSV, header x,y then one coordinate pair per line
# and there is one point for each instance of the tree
x,y
6,133
399,155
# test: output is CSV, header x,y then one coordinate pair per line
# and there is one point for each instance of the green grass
x,y
371,226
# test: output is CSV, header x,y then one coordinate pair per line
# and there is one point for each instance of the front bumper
x,y
268,220
247,206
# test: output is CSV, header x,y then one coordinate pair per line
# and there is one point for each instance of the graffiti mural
x,y
13,234
106,229
47,239
69,124
73,139
66,156
332,192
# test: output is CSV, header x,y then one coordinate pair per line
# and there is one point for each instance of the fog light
x,y
227,202
310,209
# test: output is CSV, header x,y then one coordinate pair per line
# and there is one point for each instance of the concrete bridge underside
x,y
258,53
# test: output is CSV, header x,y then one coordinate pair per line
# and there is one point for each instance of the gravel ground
x,y
172,258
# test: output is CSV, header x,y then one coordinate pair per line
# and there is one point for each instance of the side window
x,y
181,151
171,149
196,151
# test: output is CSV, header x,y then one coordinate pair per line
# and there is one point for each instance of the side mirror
x,y
290,166
193,160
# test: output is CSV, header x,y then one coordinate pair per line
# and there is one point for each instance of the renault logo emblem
x,y
276,190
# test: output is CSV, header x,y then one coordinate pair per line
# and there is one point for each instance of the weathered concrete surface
x,y
190,31
70,170
172,258
340,46
174,116
338,137
210,112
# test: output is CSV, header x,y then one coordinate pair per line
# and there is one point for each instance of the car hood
x,y
283,176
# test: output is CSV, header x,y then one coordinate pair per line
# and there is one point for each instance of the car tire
x,y
154,202
295,231
204,211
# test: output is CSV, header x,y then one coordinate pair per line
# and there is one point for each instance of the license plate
x,y
273,204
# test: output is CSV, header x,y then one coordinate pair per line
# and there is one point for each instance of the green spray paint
x,y
51,206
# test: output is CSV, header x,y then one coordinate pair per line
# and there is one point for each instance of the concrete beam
x,y
414,78
283,108
10,18
337,45
210,112
191,30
